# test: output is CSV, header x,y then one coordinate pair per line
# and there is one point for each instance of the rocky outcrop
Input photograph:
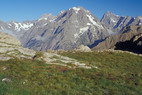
x,y
10,47
7,40
55,58
83,48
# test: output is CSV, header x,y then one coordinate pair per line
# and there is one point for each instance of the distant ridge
x,y
68,30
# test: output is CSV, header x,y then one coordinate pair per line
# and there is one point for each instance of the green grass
x,y
122,71
117,74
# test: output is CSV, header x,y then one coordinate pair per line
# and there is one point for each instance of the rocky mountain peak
x,y
77,8
68,30
110,19
46,17
108,13
117,23
138,20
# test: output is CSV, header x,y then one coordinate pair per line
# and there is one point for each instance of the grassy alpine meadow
x,y
116,74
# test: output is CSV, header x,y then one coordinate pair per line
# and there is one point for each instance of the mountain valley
x,y
73,53
68,30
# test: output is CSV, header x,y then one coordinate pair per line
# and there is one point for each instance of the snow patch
x,y
76,9
94,22
76,35
2,28
89,24
42,19
54,20
22,26
62,12
82,31
9,24
113,20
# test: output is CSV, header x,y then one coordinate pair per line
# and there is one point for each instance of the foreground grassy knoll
x,y
113,74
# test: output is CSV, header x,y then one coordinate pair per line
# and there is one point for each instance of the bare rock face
x,y
83,48
7,39
110,20
66,31
11,47
117,23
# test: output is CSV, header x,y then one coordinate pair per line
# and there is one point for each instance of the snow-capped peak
x,y
77,9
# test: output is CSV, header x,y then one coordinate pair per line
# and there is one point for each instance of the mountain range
x,y
123,41
70,29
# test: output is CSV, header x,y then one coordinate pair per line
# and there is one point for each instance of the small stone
x,y
4,68
6,80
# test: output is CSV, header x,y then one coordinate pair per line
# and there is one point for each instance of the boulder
x,y
83,48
